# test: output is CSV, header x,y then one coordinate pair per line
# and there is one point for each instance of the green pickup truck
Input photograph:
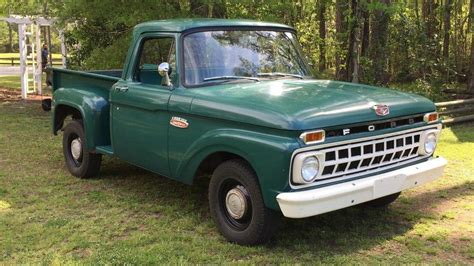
x,y
234,100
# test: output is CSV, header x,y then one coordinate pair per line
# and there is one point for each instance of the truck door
x,y
139,107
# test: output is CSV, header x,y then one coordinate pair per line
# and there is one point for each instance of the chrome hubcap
x,y
76,148
236,202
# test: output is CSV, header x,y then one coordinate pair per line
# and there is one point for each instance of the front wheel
x,y
79,161
237,205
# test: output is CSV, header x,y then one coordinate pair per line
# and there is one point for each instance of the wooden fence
x,y
15,61
463,107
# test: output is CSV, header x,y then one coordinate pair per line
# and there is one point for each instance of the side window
x,y
155,51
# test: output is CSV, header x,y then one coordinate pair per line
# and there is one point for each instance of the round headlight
x,y
430,143
310,169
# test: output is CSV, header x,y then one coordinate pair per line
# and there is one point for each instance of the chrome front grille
x,y
353,158
361,156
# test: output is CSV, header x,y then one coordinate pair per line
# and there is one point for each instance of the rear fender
x,y
93,110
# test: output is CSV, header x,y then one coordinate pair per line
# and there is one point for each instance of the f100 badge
x,y
179,122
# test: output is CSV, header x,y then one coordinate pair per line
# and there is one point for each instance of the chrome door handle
x,y
121,89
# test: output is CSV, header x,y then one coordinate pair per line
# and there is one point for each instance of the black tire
x,y
258,222
383,201
86,164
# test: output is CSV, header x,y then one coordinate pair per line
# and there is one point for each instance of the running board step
x,y
105,150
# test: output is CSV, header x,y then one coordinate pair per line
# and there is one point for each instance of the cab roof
x,y
181,25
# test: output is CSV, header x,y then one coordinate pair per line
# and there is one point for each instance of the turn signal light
x,y
431,117
313,137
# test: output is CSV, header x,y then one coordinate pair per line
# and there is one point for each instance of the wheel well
x,y
210,163
60,114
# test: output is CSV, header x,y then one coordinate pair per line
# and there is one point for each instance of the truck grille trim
x,y
349,164
352,158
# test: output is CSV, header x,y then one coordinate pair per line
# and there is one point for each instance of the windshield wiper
x,y
231,77
279,74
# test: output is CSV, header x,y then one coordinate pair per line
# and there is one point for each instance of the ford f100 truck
x,y
234,100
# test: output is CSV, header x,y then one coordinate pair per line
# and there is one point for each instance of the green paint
x,y
258,121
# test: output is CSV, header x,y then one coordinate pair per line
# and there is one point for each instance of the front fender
x,y
94,109
268,154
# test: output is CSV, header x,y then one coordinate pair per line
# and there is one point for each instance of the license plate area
x,y
388,185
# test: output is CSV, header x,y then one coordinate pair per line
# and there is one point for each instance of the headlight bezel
x,y
429,134
298,166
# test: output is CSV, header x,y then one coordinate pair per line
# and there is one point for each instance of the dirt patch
x,y
9,95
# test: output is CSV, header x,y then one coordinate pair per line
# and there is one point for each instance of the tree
x,y
447,28
378,42
10,39
430,22
365,31
322,35
341,39
210,9
471,67
355,41
352,40
471,79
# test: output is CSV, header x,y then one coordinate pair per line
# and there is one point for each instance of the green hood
x,y
303,104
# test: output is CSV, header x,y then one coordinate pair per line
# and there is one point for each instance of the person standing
x,y
44,56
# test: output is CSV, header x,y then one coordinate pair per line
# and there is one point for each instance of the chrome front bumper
x,y
321,200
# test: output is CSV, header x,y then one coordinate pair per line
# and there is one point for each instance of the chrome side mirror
x,y
164,71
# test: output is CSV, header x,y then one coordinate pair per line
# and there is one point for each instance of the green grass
x,y
10,82
128,215
13,83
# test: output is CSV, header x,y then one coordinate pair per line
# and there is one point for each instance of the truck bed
x,y
111,73
87,92
100,79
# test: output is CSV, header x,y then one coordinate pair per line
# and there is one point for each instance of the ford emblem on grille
x,y
381,109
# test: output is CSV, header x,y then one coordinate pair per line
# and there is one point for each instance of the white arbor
x,y
29,36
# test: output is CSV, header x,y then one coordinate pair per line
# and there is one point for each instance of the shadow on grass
x,y
352,229
341,232
463,131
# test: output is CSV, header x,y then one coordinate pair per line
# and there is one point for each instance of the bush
x,y
110,57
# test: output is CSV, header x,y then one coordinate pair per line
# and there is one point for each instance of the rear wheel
x,y
79,161
237,205
383,201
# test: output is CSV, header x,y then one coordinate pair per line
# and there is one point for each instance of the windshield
x,y
235,55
